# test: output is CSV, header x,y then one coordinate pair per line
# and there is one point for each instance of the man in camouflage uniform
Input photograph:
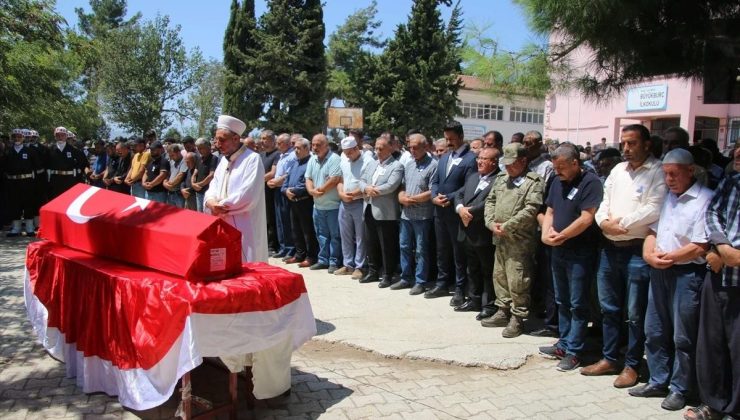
x,y
511,213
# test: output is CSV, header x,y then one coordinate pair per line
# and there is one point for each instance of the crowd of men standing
x,y
647,233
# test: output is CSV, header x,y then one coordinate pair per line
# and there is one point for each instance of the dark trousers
x,y
451,264
304,235
480,273
283,225
21,201
381,236
543,292
272,238
718,346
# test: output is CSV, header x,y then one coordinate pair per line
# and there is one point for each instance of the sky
x,y
203,22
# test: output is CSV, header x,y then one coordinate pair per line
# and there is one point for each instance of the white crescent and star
x,y
74,211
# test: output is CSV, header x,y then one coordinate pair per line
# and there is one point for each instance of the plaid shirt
x,y
418,179
723,222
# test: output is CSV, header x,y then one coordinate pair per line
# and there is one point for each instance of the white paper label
x,y
218,259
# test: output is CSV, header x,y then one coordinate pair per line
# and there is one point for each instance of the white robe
x,y
245,197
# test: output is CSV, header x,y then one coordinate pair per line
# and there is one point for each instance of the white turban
x,y
232,124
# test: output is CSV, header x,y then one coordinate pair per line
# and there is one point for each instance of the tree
x,y
291,65
241,97
203,104
351,41
146,70
416,83
637,39
507,72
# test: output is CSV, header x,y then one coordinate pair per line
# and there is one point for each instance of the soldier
x,y
41,180
511,213
20,164
65,162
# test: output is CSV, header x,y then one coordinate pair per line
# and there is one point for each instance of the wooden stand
x,y
188,400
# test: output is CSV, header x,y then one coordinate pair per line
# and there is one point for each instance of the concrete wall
x,y
476,127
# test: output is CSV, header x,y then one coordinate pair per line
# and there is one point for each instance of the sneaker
x,y
333,269
357,274
344,271
568,363
499,319
552,352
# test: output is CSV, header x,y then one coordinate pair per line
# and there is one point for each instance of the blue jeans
x,y
283,224
327,232
137,190
672,326
353,234
200,199
623,274
175,199
572,273
415,236
158,196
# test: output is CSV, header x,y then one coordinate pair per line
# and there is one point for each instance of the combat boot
x,y
499,319
514,329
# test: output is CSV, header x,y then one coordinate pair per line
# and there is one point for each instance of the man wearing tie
x,y
453,169
469,205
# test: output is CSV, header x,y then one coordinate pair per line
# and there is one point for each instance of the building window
x,y
527,115
481,111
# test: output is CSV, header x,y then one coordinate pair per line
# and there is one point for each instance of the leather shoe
x,y
386,282
417,290
292,260
305,263
544,332
436,292
485,313
468,306
318,266
457,299
369,278
673,402
602,367
649,391
627,378
401,284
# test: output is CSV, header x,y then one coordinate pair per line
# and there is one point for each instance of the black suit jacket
x,y
476,231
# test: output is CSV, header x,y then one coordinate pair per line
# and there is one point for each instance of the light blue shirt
x,y
351,172
319,173
286,161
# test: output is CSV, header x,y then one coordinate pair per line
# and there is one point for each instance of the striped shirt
x,y
723,222
418,179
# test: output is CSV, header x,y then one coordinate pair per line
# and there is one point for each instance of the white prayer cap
x,y
60,130
678,157
349,143
232,124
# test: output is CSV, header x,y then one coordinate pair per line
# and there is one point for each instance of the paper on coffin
x,y
185,243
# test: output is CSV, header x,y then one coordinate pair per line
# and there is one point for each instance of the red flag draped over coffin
x,y
185,243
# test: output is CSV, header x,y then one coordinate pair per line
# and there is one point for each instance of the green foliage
x,y
416,79
146,70
634,39
172,133
525,72
203,104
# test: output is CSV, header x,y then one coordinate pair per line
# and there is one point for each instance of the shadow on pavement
x,y
323,327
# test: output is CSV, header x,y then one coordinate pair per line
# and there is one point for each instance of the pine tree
x,y
241,93
418,73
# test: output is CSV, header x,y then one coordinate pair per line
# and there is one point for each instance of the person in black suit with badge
x,y
477,238
453,169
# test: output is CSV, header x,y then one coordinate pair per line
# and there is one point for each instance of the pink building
x,y
658,104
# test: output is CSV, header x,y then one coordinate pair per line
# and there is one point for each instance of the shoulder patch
x,y
533,176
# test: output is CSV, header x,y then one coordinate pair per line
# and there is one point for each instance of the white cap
x,y
60,130
26,132
232,124
71,135
17,132
678,157
34,133
349,143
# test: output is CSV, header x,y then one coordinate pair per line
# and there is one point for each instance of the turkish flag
x,y
185,243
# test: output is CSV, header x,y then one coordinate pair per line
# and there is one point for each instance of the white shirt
x,y
635,196
541,167
455,155
351,172
682,220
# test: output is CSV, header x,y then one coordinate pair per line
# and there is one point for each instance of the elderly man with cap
x,y
674,248
19,164
65,162
350,209
511,214
236,193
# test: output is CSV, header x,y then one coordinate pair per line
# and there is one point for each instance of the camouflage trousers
x,y
512,275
